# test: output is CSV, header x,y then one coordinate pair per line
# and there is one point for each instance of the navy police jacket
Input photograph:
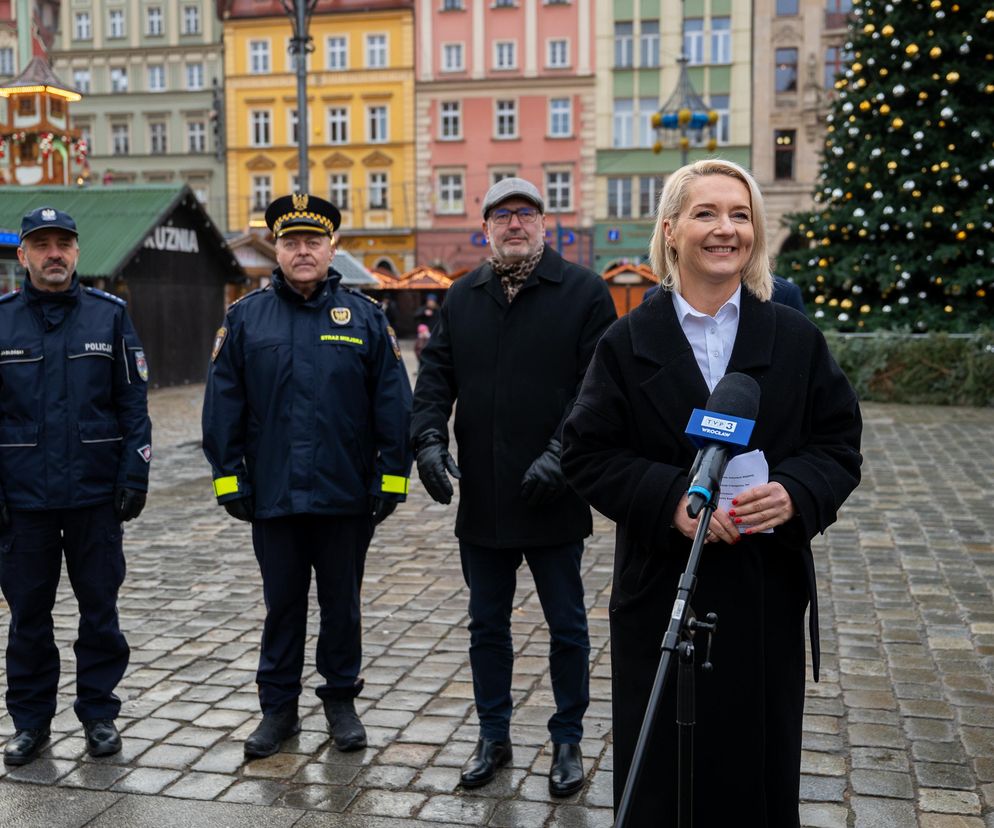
x,y
308,403
73,399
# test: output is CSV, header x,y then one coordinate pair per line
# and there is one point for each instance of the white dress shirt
x,y
711,337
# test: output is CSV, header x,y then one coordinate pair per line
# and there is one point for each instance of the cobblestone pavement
x,y
899,732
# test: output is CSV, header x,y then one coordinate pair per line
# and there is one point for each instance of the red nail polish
x,y
748,531
731,513
738,520
735,502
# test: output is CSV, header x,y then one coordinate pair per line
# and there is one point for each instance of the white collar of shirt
x,y
710,337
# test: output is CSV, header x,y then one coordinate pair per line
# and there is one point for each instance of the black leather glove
x,y
128,503
241,508
434,461
380,509
4,514
544,481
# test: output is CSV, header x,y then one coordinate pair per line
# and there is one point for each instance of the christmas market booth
x,y
628,284
404,297
152,245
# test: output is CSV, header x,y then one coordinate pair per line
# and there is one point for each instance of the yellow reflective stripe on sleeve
x,y
392,484
225,485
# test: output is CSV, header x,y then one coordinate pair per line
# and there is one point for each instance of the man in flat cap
x,y
305,425
75,447
512,343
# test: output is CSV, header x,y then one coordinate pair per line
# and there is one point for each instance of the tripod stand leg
x,y
685,716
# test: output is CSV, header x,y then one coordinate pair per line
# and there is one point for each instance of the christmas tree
x,y
901,233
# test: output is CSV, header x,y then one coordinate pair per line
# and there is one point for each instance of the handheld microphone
x,y
720,432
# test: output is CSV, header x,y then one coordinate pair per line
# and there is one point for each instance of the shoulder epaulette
x,y
250,293
360,293
8,296
103,294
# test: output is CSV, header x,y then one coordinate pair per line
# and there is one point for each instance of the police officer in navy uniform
x,y
75,447
305,423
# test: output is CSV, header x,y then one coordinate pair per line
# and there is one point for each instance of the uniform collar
x,y
321,291
69,296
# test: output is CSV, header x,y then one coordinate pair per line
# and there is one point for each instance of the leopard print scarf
x,y
513,276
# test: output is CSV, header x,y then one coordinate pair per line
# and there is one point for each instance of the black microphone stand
x,y
679,640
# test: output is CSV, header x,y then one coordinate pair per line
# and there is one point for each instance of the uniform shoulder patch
x,y
363,295
393,341
103,294
12,295
250,293
219,337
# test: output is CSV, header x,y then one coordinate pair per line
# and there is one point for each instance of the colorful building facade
x,y
504,88
360,116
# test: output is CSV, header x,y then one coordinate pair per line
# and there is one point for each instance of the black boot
x,y
566,773
273,730
483,764
102,738
24,745
346,729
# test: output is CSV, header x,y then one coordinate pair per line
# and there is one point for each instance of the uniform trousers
x,y
31,551
287,549
491,577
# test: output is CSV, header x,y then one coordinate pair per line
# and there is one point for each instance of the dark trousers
x,y
287,548
31,551
491,577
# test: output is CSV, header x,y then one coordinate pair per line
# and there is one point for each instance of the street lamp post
x,y
301,44
684,112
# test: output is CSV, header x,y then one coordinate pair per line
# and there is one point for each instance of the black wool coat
x,y
625,452
512,370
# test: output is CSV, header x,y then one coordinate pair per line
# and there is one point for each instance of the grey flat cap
x,y
512,188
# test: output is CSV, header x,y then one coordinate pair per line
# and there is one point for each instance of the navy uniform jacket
x,y
73,399
308,403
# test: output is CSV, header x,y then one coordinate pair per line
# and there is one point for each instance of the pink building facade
x,y
504,88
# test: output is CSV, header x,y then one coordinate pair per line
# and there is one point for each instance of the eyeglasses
x,y
526,215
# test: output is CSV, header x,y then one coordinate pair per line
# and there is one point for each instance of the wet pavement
x,y
898,733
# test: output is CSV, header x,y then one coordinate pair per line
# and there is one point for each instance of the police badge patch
x,y
146,453
142,365
219,338
341,316
393,341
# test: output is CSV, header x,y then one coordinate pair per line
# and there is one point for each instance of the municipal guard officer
x,y
305,427
75,446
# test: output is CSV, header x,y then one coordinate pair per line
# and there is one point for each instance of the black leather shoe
x,y
483,764
346,729
24,746
273,730
566,773
102,738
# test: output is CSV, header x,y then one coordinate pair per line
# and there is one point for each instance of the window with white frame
x,y
452,5
191,19
557,56
157,138
118,79
81,79
623,45
120,139
115,27
619,197
262,191
560,117
649,189
721,40
194,76
722,129
338,125
646,134
649,44
621,133
338,190
451,198
452,57
7,60
378,191
259,63
506,119
196,136
82,26
559,191
450,120
336,53
376,124
693,40
505,54
153,21
376,51
156,78
260,128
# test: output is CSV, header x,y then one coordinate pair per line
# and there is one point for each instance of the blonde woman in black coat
x,y
625,452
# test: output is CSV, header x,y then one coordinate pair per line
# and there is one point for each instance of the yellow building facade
x,y
360,114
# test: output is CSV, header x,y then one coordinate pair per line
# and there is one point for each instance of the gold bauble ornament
x,y
916,193
936,4
857,67
845,304
851,166
911,50
989,15
961,235
864,308
819,299
989,88
923,96
864,105
869,28
823,263
884,109
938,209
948,308
892,165
883,72
833,303
897,123
952,77
935,52
887,30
